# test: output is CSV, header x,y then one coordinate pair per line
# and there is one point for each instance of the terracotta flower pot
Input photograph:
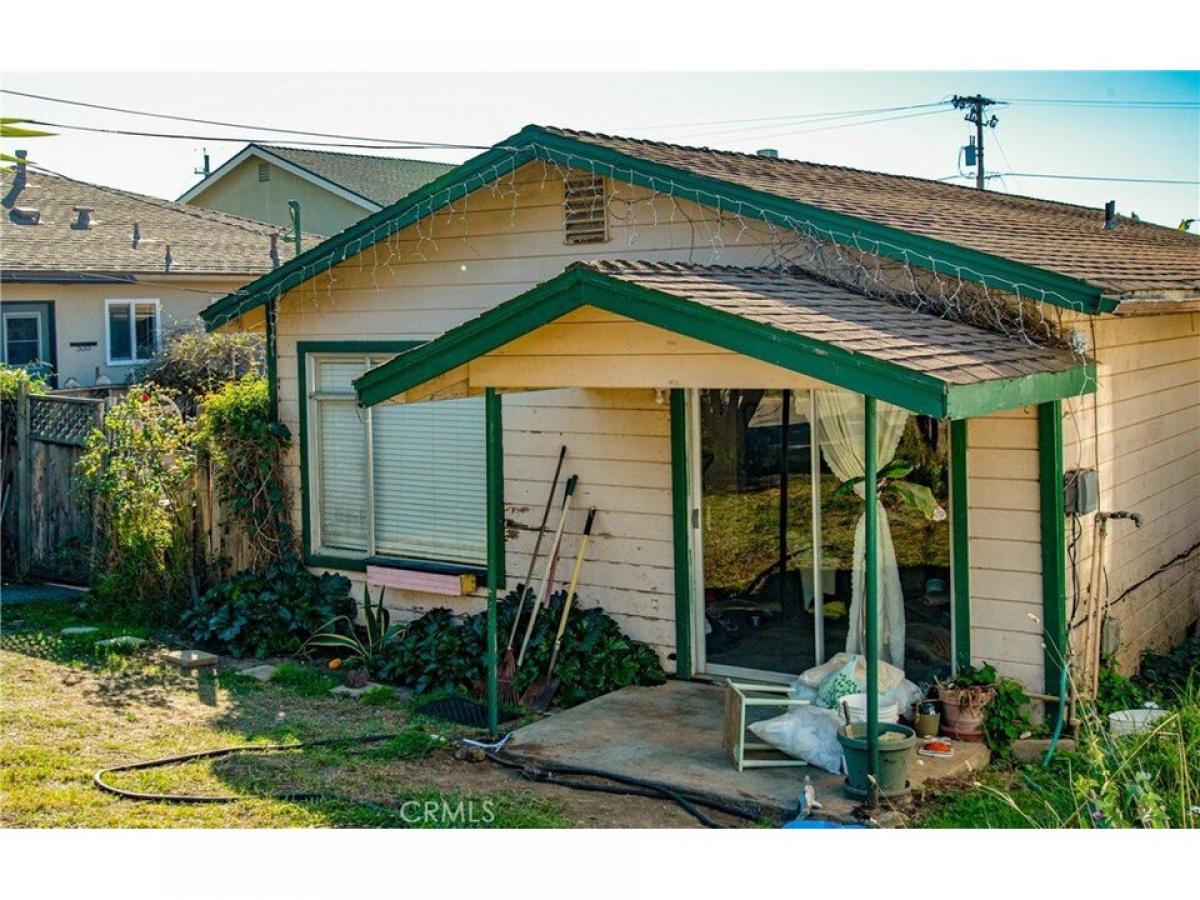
x,y
963,710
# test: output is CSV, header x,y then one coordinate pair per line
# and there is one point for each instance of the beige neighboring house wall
x,y
81,339
241,192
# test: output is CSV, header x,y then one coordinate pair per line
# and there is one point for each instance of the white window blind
x,y
415,473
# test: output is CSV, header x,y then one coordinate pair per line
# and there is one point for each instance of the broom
x,y
508,663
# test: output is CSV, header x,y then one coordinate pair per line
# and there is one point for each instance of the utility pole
x,y
975,115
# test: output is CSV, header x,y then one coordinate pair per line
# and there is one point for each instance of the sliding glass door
x,y
776,481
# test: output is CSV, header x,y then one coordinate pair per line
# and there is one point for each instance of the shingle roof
x,y
201,241
953,352
1058,237
382,180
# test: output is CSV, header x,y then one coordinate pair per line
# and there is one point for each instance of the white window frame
x,y
312,476
131,302
22,314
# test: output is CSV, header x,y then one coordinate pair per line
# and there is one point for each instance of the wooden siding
x,y
431,277
1141,431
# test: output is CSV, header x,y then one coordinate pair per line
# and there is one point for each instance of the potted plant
x,y
965,698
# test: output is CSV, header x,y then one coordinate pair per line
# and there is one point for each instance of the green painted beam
x,y
681,517
533,142
960,543
579,286
1054,549
966,400
871,580
495,543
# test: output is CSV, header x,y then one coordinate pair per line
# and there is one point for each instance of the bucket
x,y
893,759
1132,721
888,712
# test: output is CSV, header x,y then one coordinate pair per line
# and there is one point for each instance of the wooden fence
x,y
48,521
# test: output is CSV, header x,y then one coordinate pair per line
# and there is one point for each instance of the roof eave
x,y
579,286
535,142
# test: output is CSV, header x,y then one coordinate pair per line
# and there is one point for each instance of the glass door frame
x,y
700,666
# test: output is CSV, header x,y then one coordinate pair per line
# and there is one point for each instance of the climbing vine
x,y
236,432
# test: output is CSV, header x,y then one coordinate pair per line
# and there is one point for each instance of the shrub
x,y
11,378
1166,674
139,469
441,652
268,613
235,430
193,363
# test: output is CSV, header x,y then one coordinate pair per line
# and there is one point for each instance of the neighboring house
x,y
91,277
641,303
334,190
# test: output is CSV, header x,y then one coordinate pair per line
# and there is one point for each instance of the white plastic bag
x,y
805,732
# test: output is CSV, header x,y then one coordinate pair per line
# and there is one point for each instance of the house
x,y
334,190
731,347
92,277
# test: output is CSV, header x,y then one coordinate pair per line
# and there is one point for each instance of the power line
x,y
1076,178
244,139
875,121
832,114
153,115
1129,104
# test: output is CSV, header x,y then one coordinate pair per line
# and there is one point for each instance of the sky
x,y
479,108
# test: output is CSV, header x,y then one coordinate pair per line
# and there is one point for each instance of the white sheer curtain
x,y
840,431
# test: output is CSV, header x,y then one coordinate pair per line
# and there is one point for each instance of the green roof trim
x,y
580,286
534,142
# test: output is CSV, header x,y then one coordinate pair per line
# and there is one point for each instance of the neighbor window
x,y
133,330
396,481
22,338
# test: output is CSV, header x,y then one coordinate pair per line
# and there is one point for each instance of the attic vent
x,y
586,210
264,171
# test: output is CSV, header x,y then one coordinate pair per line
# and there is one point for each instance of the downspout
x,y
871,583
493,431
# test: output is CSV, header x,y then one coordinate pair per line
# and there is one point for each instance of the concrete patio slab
x,y
78,630
258,673
344,691
124,642
672,735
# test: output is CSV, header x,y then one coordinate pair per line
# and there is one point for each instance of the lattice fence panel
x,y
63,420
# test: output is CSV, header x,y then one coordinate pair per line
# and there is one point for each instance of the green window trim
x,y
580,286
533,142
349,563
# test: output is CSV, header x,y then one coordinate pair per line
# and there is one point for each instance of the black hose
x,y
686,800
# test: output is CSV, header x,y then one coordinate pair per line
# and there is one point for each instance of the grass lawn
x,y
68,710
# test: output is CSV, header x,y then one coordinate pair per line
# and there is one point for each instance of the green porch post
x,y
1054,552
682,520
494,434
871,583
960,544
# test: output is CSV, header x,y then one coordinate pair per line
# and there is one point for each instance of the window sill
x,y
427,565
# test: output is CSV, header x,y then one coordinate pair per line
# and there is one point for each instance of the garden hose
x,y
550,775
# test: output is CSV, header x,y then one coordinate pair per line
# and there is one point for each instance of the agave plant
x,y
364,647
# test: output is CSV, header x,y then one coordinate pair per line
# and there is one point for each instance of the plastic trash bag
x,y
805,732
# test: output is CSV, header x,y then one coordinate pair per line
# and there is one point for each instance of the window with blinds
x,y
398,481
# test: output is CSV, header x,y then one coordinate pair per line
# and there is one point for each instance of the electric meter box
x,y
1081,494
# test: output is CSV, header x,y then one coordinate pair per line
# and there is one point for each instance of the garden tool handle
x,y
528,582
583,542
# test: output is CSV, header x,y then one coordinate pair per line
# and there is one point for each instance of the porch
x,y
683,329
671,734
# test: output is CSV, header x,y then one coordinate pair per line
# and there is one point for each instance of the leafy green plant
x,y
236,432
139,469
268,613
890,483
970,676
440,652
1117,692
366,646
1164,675
194,363
1006,717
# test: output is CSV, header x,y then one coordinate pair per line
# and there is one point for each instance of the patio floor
x,y
672,734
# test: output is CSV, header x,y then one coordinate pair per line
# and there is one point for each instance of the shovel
x,y
542,596
508,663
541,692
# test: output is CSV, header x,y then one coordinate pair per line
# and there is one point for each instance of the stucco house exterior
x,y
334,189
92,278
723,340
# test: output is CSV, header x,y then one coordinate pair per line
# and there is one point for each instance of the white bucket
x,y
1132,721
888,712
